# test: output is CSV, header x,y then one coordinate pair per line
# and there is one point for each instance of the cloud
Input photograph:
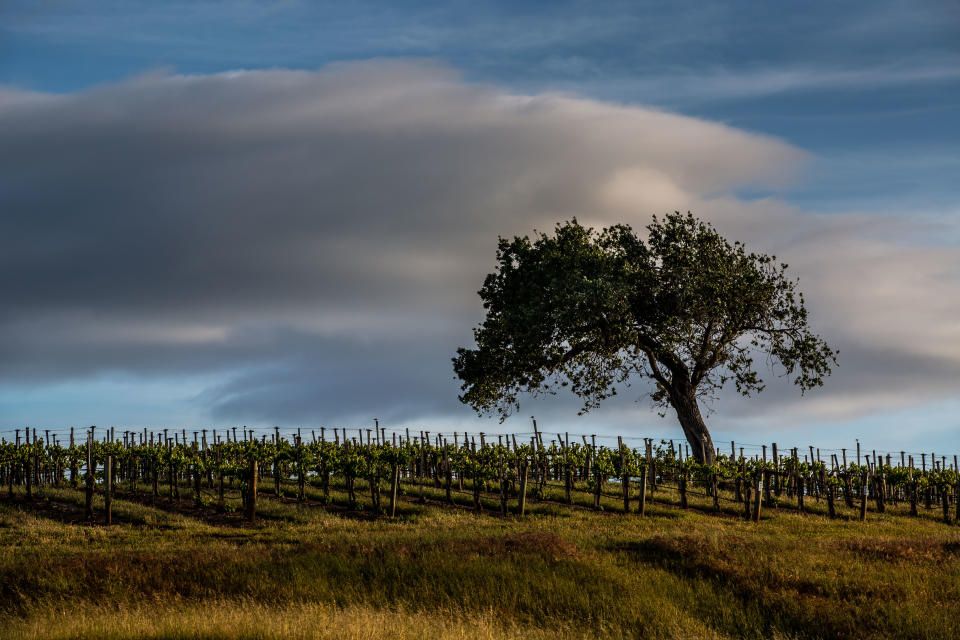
x,y
315,239
725,84
695,86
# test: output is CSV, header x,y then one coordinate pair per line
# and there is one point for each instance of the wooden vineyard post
x,y
477,486
436,470
325,470
28,466
394,484
252,491
880,483
524,467
799,487
460,472
178,472
219,477
197,475
682,488
624,477
863,496
448,474
653,468
301,477
738,482
275,468
716,491
209,471
108,490
945,499
778,488
423,463
130,471
503,487
543,468
410,461
913,491
847,484
681,482
34,465
642,506
74,471
831,497
170,484
746,498
814,486
90,472
588,458
756,497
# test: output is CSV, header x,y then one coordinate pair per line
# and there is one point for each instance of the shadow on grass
x,y
770,603
526,575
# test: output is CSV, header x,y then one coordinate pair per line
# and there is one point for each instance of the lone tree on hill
x,y
592,310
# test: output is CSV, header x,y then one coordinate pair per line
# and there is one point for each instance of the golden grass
x,y
241,619
437,572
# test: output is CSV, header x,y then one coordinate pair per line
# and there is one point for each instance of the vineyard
x,y
375,534
372,472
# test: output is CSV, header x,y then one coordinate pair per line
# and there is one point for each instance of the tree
x,y
593,310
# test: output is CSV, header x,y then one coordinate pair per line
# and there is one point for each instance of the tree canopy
x,y
592,310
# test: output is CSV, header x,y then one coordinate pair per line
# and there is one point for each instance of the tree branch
x,y
672,362
655,368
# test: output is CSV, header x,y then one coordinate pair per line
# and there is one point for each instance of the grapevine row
x,y
509,471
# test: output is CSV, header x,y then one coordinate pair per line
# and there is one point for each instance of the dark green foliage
x,y
591,310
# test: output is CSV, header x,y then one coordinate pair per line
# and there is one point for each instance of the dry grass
x,y
305,572
242,619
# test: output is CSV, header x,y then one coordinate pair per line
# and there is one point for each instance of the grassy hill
x,y
176,570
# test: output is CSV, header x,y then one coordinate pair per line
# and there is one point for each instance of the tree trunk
x,y
684,400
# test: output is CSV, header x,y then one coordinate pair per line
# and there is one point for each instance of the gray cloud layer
x,y
318,237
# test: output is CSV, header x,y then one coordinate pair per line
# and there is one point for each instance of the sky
x,y
279,213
